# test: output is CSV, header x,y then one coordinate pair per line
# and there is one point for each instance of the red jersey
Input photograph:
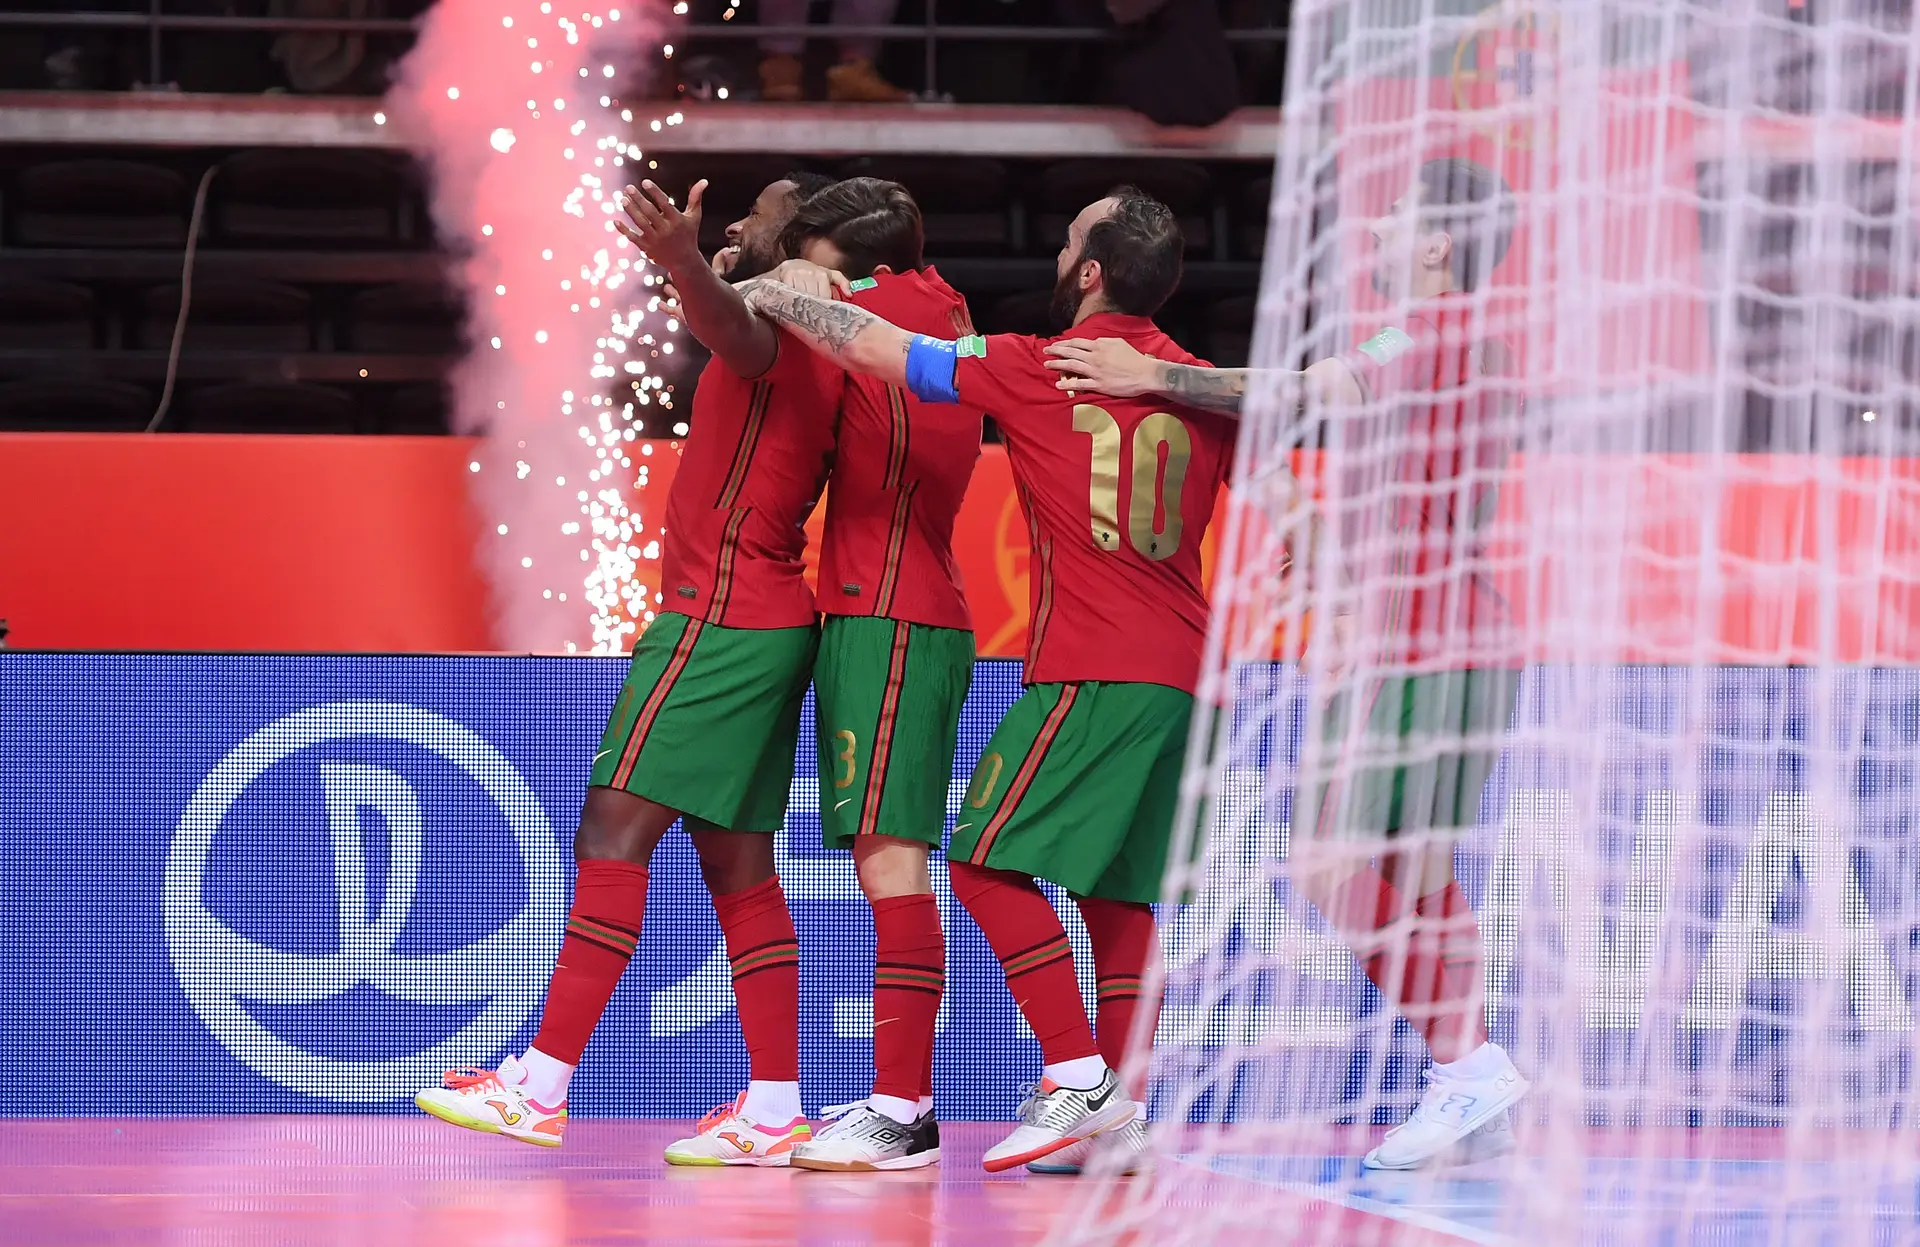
x,y
898,477
1117,493
750,473
1425,459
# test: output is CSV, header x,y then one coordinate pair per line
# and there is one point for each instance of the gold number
x,y
1151,491
1103,493
986,777
846,756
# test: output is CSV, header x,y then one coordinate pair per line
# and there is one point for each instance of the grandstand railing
x,y
930,33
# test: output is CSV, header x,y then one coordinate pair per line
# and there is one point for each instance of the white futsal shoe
x,y
1055,1117
1127,1146
1460,1099
495,1101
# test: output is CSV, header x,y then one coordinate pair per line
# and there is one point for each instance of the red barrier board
x,y
367,544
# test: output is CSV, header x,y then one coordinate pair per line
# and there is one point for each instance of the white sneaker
x,y
495,1102
1126,1147
727,1136
1452,1109
1056,1117
858,1138
1489,1142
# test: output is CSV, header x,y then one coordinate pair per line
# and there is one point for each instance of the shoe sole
x,y
917,1160
1112,1117
781,1161
478,1125
1520,1090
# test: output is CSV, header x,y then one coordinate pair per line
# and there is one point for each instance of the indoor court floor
x,y
352,1181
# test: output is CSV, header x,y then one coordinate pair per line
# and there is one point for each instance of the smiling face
x,y
757,234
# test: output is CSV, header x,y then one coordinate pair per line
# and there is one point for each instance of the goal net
x,y
1565,643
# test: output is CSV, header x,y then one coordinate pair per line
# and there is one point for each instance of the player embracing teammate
x,y
1079,783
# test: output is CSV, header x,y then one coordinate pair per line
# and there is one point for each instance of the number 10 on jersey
x,y
1150,491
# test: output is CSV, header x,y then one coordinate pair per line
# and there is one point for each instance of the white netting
x,y
1693,866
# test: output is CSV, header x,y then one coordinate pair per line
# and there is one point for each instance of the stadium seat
x,y
45,316
411,319
963,202
74,404
229,315
269,407
99,203
1065,188
420,410
310,195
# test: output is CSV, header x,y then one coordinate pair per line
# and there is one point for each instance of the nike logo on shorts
x,y
963,826
838,804
603,753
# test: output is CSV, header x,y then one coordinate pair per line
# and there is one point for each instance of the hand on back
x,y
1103,365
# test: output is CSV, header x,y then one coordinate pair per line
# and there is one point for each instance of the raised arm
x,y
851,337
715,313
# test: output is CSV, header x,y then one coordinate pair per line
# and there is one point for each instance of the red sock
x,y
1440,992
1359,906
909,973
766,978
609,899
1032,946
1122,936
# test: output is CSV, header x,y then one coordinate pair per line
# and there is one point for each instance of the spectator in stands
x,y
854,80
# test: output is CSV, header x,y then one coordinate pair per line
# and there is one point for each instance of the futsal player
x,y
706,725
1425,662
895,660
1079,782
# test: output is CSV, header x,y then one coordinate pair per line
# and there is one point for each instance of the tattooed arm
x,y
1112,366
851,337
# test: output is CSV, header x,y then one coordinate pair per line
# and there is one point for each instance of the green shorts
x,y
1079,786
1418,762
887,698
708,720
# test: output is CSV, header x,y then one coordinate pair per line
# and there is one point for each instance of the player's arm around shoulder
x,y
1116,367
852,337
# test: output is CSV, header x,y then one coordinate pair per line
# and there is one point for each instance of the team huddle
x,y
839,355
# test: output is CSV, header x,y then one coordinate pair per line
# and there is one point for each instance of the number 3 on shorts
x,y
844,779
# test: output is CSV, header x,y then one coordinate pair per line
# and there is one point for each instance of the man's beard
x,y
754,262
1066,301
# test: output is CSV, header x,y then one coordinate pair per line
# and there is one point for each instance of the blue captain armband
x,y
931,365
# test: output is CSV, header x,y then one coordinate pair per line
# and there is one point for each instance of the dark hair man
x,y
896,658
706,725
1081,778
1422,648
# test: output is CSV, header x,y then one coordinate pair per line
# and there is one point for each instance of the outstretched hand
x,y
669,235
1104,366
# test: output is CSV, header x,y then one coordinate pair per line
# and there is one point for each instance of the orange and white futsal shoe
x,y
728,1136
495,1102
